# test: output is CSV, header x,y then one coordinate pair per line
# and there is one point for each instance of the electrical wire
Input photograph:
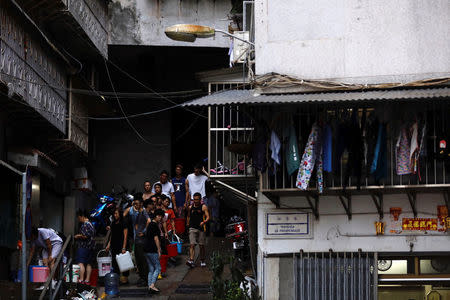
x,y
93,92
123,112
150,89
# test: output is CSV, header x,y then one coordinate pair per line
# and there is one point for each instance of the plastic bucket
x,y
38,273
163,262
94,277
75,274
104,263
172,250
180,225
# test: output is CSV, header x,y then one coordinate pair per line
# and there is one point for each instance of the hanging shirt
x,y
197,184
292,155
275,146
327,149
414,150
402,153
312,156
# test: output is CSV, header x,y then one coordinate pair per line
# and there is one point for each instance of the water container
x,y
38,273
180,225
112,284
124,261
163,262
172,250
104,263
75,274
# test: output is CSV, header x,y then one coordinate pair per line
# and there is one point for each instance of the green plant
x,y
229,289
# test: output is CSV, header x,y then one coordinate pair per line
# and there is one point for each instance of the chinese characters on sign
x,y
419,224
288,225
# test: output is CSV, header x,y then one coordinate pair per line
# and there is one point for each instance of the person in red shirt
x,y
169,218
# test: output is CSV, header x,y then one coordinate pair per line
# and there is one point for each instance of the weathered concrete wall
x,y
359,41
138,22
334,231
120,157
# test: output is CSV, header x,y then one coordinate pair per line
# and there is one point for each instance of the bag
x,y
124,262
179,243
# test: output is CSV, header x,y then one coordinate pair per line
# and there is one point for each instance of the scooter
x,y
102,215
236,231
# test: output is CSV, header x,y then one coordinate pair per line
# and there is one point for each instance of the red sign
x,y
419,224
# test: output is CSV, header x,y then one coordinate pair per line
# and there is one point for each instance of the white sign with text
x,y
288,225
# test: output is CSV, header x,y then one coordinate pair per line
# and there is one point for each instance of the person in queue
x,y
86,246
198,216
118,242
153,251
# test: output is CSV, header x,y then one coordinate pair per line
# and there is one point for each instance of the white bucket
x,y
75,274
124,261
104,263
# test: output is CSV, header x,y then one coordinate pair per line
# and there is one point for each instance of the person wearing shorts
x,y
86,246
198,216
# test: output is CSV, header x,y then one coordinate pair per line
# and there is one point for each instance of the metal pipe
x,y
233,36
24,239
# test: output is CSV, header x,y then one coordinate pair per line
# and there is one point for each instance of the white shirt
x,y
44,234
197,184
167,189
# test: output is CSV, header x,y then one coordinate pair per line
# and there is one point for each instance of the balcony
x,y
237,126
32,72
74,23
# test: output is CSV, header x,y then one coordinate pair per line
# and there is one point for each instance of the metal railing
x,y
62,271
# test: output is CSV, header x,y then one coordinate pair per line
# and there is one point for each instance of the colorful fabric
x,y
87,229
311,156
403,146
414,150
327,149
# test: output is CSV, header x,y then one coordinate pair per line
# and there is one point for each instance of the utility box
x,y
240,48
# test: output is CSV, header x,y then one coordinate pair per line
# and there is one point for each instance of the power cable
x,y
123,112
150,89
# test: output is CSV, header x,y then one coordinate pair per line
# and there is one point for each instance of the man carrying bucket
x,y
198,216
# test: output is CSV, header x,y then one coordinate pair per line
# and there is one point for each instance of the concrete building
x,y
352,233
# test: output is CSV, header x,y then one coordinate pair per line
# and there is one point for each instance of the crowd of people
x,y
146,227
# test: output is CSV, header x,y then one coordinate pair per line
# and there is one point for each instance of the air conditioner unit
x,y
240,48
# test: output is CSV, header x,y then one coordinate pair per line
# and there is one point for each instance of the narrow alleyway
x,y
181,283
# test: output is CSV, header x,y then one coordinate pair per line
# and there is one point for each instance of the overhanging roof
x,y
250,97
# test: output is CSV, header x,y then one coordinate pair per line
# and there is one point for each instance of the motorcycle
x,y
236,231
102,215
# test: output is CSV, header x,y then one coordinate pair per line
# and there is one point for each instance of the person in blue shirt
x,y
179,184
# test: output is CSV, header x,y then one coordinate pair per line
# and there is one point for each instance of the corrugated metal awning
x,y
250,97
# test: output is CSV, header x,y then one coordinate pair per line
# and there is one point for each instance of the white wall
x,y
139,22
330,230
360,41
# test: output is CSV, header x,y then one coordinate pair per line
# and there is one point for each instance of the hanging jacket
x,y
292,155
355,149
312,156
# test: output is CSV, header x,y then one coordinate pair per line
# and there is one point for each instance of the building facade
x,y
345,126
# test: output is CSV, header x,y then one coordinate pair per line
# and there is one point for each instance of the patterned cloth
x,y
311,156
87,230
403,151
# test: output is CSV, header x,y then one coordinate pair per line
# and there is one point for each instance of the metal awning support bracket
x,y
412,196
346,201
274,198
314,206
377,198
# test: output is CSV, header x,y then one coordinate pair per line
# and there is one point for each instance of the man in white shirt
x,y
167,188
195,183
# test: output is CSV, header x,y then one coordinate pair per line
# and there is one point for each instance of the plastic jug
x,y
124,261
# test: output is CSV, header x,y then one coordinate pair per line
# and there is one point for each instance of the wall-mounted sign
x,y
288,225
419,224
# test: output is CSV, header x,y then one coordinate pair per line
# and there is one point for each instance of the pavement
x,y
182,282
